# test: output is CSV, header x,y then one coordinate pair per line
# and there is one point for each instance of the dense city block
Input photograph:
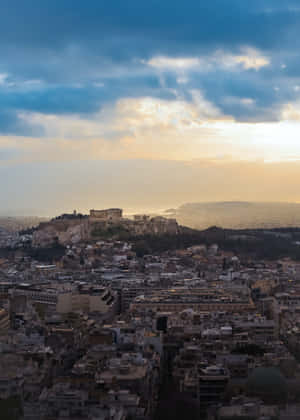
x,y
95,326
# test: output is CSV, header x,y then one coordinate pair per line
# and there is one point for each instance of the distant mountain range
x,y
237,214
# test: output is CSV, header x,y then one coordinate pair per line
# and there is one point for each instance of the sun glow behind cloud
x,y
152,128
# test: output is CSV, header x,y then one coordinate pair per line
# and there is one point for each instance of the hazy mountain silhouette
x,y
238,214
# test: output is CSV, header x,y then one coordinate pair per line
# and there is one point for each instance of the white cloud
x,y
153,128
233,100
247,101
98,84
172,63
129,115
146,127
22,85
205,108
182,80
291,112
249,58
3,77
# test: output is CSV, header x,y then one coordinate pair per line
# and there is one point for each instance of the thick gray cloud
x,y
86,54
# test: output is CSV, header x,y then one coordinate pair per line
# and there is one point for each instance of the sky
x,y
148,104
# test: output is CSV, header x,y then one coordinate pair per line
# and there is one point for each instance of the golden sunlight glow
x,y
152,128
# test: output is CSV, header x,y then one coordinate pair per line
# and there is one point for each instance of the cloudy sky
x,y
148,104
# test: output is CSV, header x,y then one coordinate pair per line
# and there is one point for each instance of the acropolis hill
x,y
100,224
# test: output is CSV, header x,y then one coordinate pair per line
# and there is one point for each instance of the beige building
x,y
108,214
104,303
177,300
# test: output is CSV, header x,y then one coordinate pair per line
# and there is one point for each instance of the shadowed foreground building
x,y
268,384
4,321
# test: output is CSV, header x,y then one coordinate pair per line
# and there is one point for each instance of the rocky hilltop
x,y
60,231
100,224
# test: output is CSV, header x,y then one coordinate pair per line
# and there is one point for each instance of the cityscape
x,y
149,210
95,325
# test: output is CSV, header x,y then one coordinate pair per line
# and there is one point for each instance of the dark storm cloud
x,y
54,24
88,53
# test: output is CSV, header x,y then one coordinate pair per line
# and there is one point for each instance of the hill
x,y
237,215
